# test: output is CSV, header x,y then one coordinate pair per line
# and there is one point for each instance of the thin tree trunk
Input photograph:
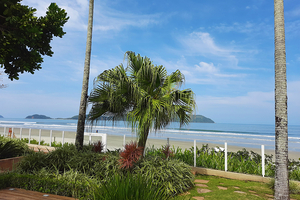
x,y
281,122
85,82
144,136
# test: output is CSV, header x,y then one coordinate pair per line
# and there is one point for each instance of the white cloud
x,y
113,20
203,43
204,67
105,18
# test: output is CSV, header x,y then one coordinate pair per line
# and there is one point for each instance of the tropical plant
x,y
131,154
98,146
130,186
173,175
12,147
85,82
143,94
281,121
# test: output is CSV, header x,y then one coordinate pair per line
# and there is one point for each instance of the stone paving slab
x,y
201,185
240,192
201,181
222,188
200,190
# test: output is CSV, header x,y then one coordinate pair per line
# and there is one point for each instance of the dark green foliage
x,y
172,175
12,148
108,166
129,186
25,38
71,183
62,159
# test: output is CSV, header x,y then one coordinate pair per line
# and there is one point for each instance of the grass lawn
x,y
222,188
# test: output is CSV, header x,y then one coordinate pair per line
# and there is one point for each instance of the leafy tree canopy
x,y
25,38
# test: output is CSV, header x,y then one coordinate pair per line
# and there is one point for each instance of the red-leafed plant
x,y
167,151
131,154
98,147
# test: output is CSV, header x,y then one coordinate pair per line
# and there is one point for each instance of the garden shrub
x,y
131,154
171,174
97,146
71,183
10,148
129,186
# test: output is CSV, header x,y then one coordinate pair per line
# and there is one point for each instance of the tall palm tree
x,y
85,82
142,93
281,122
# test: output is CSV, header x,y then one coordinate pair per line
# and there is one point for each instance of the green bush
x,y
12,148
129,186
172,175
242,161
71,183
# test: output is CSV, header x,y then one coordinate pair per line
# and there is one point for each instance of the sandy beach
x,y
117,141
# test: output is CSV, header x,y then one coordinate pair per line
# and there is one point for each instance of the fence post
x,y
4,131
168,141
40,134
263,160
63,137
12,133
29,134
90,138
50,137
195,153
104,141
124,142
225,156
20,133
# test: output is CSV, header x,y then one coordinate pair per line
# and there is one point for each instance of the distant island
x,y
1,116
36,116
195,118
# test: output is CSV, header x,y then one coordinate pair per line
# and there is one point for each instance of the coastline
x,y
116,141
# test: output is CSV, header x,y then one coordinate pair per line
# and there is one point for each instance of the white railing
x,y
10,133
103,136
225,151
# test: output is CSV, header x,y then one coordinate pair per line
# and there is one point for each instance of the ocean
x,y
244,135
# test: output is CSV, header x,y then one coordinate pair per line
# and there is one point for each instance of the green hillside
x,y
36,116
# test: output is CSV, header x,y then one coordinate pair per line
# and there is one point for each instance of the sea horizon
x,y
245,135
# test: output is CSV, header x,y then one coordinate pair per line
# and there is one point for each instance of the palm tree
x,y
281,122
143,94
85,82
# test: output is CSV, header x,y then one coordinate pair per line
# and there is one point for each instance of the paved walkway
x,y
21,194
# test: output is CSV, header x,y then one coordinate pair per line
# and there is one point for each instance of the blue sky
x,y
225,49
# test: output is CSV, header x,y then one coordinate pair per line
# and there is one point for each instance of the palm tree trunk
x,y
144,136
281,122
85,82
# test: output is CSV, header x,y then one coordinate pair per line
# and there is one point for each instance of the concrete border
x,y
230,175
234,175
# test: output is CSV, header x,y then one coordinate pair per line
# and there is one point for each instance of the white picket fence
x,y
11,133
104,142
